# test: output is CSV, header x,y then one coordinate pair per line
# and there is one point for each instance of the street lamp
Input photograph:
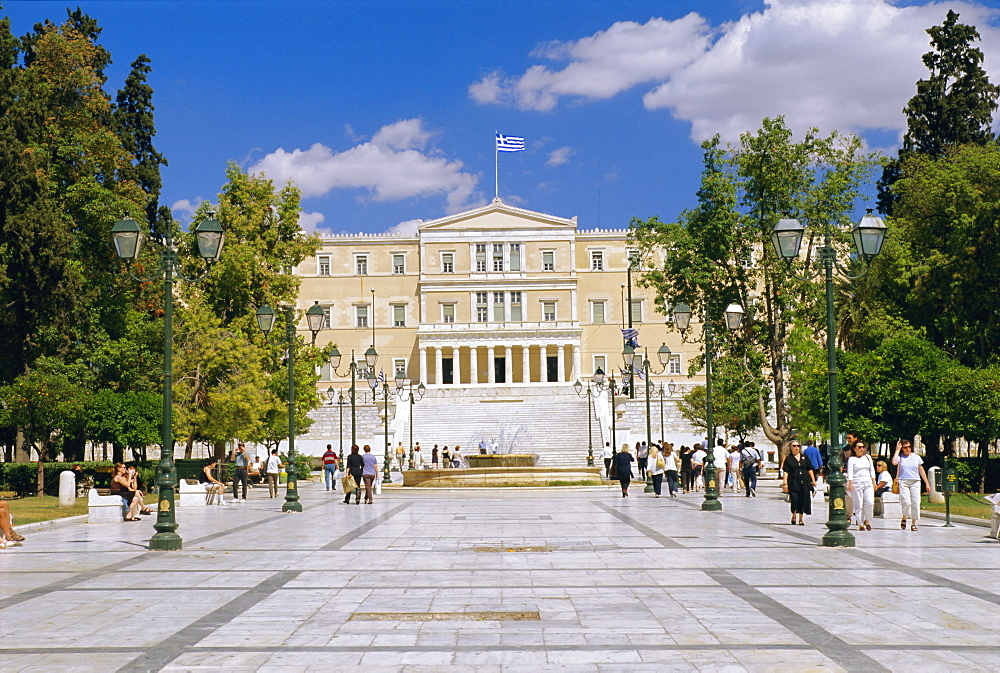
x,y
663,355
373,383
602,382
733,316
314,321
868,235
405,393
371,357
578,387
128,239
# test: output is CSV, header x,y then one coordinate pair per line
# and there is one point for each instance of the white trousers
x,y
863,499
909,498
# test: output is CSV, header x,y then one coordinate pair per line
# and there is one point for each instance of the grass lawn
x,y
962,504
46,508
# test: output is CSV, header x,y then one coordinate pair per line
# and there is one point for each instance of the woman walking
x,y
656,466
355,467
368,472
623,468
861,484
910,470
670,460
798,482
687,474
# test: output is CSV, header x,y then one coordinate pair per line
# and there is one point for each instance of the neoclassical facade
x,y
494,296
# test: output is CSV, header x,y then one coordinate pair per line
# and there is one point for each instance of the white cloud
x,y
392,166
184,209
407,228
844,64
560,156
309,221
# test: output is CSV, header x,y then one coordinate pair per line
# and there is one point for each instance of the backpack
x,y
748,457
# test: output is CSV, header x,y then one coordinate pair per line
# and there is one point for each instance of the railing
x,y
508,326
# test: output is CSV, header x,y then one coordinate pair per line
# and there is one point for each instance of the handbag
x,y
350,486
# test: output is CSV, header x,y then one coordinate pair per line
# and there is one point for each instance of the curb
x,y
52,523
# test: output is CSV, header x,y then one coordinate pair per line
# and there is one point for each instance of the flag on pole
x,y
381,376
631,336
509,143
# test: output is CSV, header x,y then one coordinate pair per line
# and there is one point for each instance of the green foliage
x,y
129,419
22,477
734,400
303,464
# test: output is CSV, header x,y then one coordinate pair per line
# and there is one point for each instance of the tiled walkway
x,y
570,580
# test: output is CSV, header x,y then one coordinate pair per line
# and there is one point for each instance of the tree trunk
x,y
74,446
219,450
43,455
189,447
22,450
984,457
117,453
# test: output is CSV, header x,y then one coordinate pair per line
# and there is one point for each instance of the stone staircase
x,y
550,420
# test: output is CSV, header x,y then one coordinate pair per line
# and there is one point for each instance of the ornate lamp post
x,y
128,239
663,355
578,387
314,320
373,383
868,235
405,393
371,357
602,382
682,319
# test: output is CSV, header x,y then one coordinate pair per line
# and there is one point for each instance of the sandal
x,y
902,524
793,520
129,518
802,523
145,511
868,526
913,527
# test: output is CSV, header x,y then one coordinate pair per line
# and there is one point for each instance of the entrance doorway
x,y
500,370
447,371
553,366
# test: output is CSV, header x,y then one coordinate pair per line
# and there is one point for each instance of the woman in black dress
x,y
798,482
623,468
687,474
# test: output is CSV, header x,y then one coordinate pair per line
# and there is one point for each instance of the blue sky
x,y
385,112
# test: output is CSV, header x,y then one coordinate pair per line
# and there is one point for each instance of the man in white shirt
x,y
750,462
698,467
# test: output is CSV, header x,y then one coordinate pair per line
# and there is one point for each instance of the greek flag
x,y
381,376
509,143
631,336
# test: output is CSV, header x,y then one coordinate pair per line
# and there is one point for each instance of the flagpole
x,y
496,167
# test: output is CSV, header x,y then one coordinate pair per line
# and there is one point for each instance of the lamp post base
x,y
292,503
711,506
165,542
838,538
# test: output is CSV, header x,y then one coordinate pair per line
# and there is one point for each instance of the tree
x,y
734,399
953,106
720,252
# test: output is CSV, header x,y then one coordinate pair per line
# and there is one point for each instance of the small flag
x,y
624,377
509,143
631,336
381,376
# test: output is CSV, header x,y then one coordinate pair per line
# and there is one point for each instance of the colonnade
x,y
472,364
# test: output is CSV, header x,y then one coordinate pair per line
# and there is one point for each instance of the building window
x,y
327,320
674,364
548,260
399,264
515,256
597,312
633,259
482,310
601,362
361,315
515,307
636,310
399,315
448,313
498,256
480,257
399,368
498,307
361,265
323,265
447,262
549,311
597,261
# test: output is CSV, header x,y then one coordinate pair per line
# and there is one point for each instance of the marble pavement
x,y
497,580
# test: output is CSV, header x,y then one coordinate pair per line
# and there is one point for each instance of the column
x,y
508,364
576,363
526,363
456,366
439,364
543,352
491,363
561,359
474,364
423,365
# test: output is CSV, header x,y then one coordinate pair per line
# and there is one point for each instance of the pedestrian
x,y
213,485
445,458
121,485
642,454
369,472
355,468
494,446
241,474
733,461
273,468
607,454
482,447
418,457
884,482
456,456
798,481
623,468
330,466
670,469
749,463
815,458
909,472
11,537
861,483
698,467
434,456
656,466
400,455
848,451
687,471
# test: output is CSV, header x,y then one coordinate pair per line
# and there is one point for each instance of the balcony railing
x,y
520,326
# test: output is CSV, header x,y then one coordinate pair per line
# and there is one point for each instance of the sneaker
x,y
224,503
10,543
753,492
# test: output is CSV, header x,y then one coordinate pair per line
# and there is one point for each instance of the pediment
x,y
497,216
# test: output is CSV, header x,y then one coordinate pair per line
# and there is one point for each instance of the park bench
x,y
192,493
887,506
104,508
